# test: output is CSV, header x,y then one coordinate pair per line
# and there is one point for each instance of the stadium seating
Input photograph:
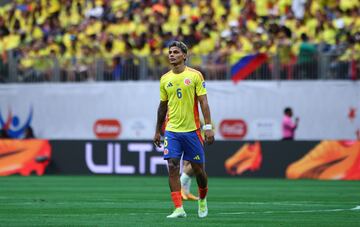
x,y
64,40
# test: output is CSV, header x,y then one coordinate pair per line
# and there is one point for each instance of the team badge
x,y
203,84
187,81
166,151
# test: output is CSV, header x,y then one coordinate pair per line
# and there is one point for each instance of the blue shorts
x,y
188,143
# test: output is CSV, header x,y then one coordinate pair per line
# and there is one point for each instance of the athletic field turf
x,y
145,201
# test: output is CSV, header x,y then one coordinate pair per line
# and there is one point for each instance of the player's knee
x,y
186,164
174,166
187,168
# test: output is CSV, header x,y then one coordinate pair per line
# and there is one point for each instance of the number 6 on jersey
x,y
178,93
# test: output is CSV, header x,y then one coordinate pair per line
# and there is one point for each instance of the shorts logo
x,y
166,151
197,157
187,81
203,84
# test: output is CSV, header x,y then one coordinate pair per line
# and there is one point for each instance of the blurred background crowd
x,y
76,40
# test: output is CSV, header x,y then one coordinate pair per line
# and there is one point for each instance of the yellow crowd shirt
x,y
181,91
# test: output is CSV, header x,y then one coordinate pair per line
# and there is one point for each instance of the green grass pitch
x,y
145,201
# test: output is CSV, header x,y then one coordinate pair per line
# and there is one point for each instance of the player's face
x,y
176,56
290,113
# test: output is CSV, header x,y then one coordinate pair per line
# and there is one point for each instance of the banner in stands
x,y
335,160
127,110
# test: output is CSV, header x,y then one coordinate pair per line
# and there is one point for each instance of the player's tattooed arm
x,y
161,114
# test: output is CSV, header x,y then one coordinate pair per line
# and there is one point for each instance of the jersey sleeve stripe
x,y
198,133
196,113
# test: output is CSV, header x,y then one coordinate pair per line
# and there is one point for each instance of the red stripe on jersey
x,y
196,113
198,132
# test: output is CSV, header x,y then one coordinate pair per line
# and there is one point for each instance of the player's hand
x,y
157,139
209,136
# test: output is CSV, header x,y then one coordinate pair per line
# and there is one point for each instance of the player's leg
x,y
175,187
185,180
202,181
194,152
172,153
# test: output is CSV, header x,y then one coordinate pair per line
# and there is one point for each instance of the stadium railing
x,y
22,69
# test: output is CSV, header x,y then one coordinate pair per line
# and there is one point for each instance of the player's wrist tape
x,y
207,127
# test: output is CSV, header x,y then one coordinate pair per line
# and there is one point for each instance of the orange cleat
x,y
248,157
24,156
188,196
332,160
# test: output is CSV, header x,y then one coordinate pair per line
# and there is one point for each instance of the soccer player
x,y
180,91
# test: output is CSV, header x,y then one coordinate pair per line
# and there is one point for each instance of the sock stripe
x,y
203,192
177,199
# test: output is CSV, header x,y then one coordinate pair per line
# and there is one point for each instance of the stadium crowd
x,y
74,34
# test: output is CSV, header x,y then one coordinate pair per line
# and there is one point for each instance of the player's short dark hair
x,y
182,46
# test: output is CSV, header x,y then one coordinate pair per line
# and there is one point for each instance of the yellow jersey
x,y
181,91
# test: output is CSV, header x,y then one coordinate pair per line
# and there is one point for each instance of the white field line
x,y
291,211
300,203
285,203
357,208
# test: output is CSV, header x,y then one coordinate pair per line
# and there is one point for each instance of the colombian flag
x,y
246,65
353,70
